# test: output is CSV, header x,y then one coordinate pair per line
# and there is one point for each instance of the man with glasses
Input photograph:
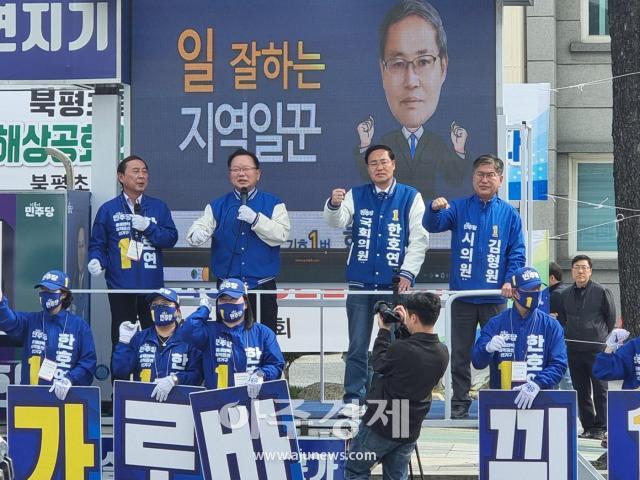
x,y
413,65
387,237
248,227
588,313
487,248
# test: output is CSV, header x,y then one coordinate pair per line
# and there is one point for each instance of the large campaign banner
x,y
241,437
308,85
539,443
54,439
623,430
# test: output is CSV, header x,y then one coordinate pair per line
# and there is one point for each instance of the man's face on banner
x,y
412,89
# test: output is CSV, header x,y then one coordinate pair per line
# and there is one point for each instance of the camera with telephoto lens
x,y
385,309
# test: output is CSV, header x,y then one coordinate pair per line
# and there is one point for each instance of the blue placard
x,y
243,438
58,41
52,439
539,443
623,426
152,439
322,458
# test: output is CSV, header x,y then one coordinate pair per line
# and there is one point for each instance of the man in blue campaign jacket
x,y
129,233
531,340
487,247
387,237
235,350
619,362
247,228
58,346
158,354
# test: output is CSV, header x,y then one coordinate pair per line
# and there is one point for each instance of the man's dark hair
x,y
67,300
417,8
423,304
122,166
577,258
556,271
373,148
488,159
242,151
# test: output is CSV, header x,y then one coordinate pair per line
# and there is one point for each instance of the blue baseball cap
x,y
526,278
166,293
232,287
54,280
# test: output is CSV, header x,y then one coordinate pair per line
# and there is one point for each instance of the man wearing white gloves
x,y
524,335
158,354
235,350
246,228
619,361
58,345
128,235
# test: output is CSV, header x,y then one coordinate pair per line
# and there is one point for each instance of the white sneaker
x,y
352,410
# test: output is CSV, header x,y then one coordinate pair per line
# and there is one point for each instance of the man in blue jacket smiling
x,y
533,341
487,247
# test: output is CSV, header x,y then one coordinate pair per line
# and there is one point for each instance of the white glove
x,y
163,388
140,223
127,331
496,344
616,337
205,301
199,236
61,388
246,214
94,267
528,393
255,383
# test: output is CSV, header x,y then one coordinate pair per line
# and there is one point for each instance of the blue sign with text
x,y
623,430
539,443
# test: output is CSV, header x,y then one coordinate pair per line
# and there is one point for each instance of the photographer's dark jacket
x,y
587,314
407,369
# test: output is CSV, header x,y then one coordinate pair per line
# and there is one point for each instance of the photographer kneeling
x,y
405,372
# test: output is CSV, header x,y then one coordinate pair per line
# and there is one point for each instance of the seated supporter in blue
x,y
619,362
158,354
235,350
526,336
58,345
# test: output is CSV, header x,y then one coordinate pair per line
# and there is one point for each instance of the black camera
x,y
386,312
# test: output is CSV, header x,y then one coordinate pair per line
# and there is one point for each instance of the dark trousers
x,y
268,305
465,318
128,307
580,366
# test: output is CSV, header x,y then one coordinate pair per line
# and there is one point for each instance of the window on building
x,y
593,219
595,20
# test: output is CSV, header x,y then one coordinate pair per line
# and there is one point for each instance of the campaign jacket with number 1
x,y
112,232
66,338
226,351
386,233
143,357
487,245
537,339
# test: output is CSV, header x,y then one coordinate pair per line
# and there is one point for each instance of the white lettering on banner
x,y
169,428
239,441
466,252
531,466
230,121
34,209
493,260
93,20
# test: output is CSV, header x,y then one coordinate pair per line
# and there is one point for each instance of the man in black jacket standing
x,y
405,372
588,313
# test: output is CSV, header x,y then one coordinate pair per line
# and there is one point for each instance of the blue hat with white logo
x,y
526,278
166,293
54,280
232,287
